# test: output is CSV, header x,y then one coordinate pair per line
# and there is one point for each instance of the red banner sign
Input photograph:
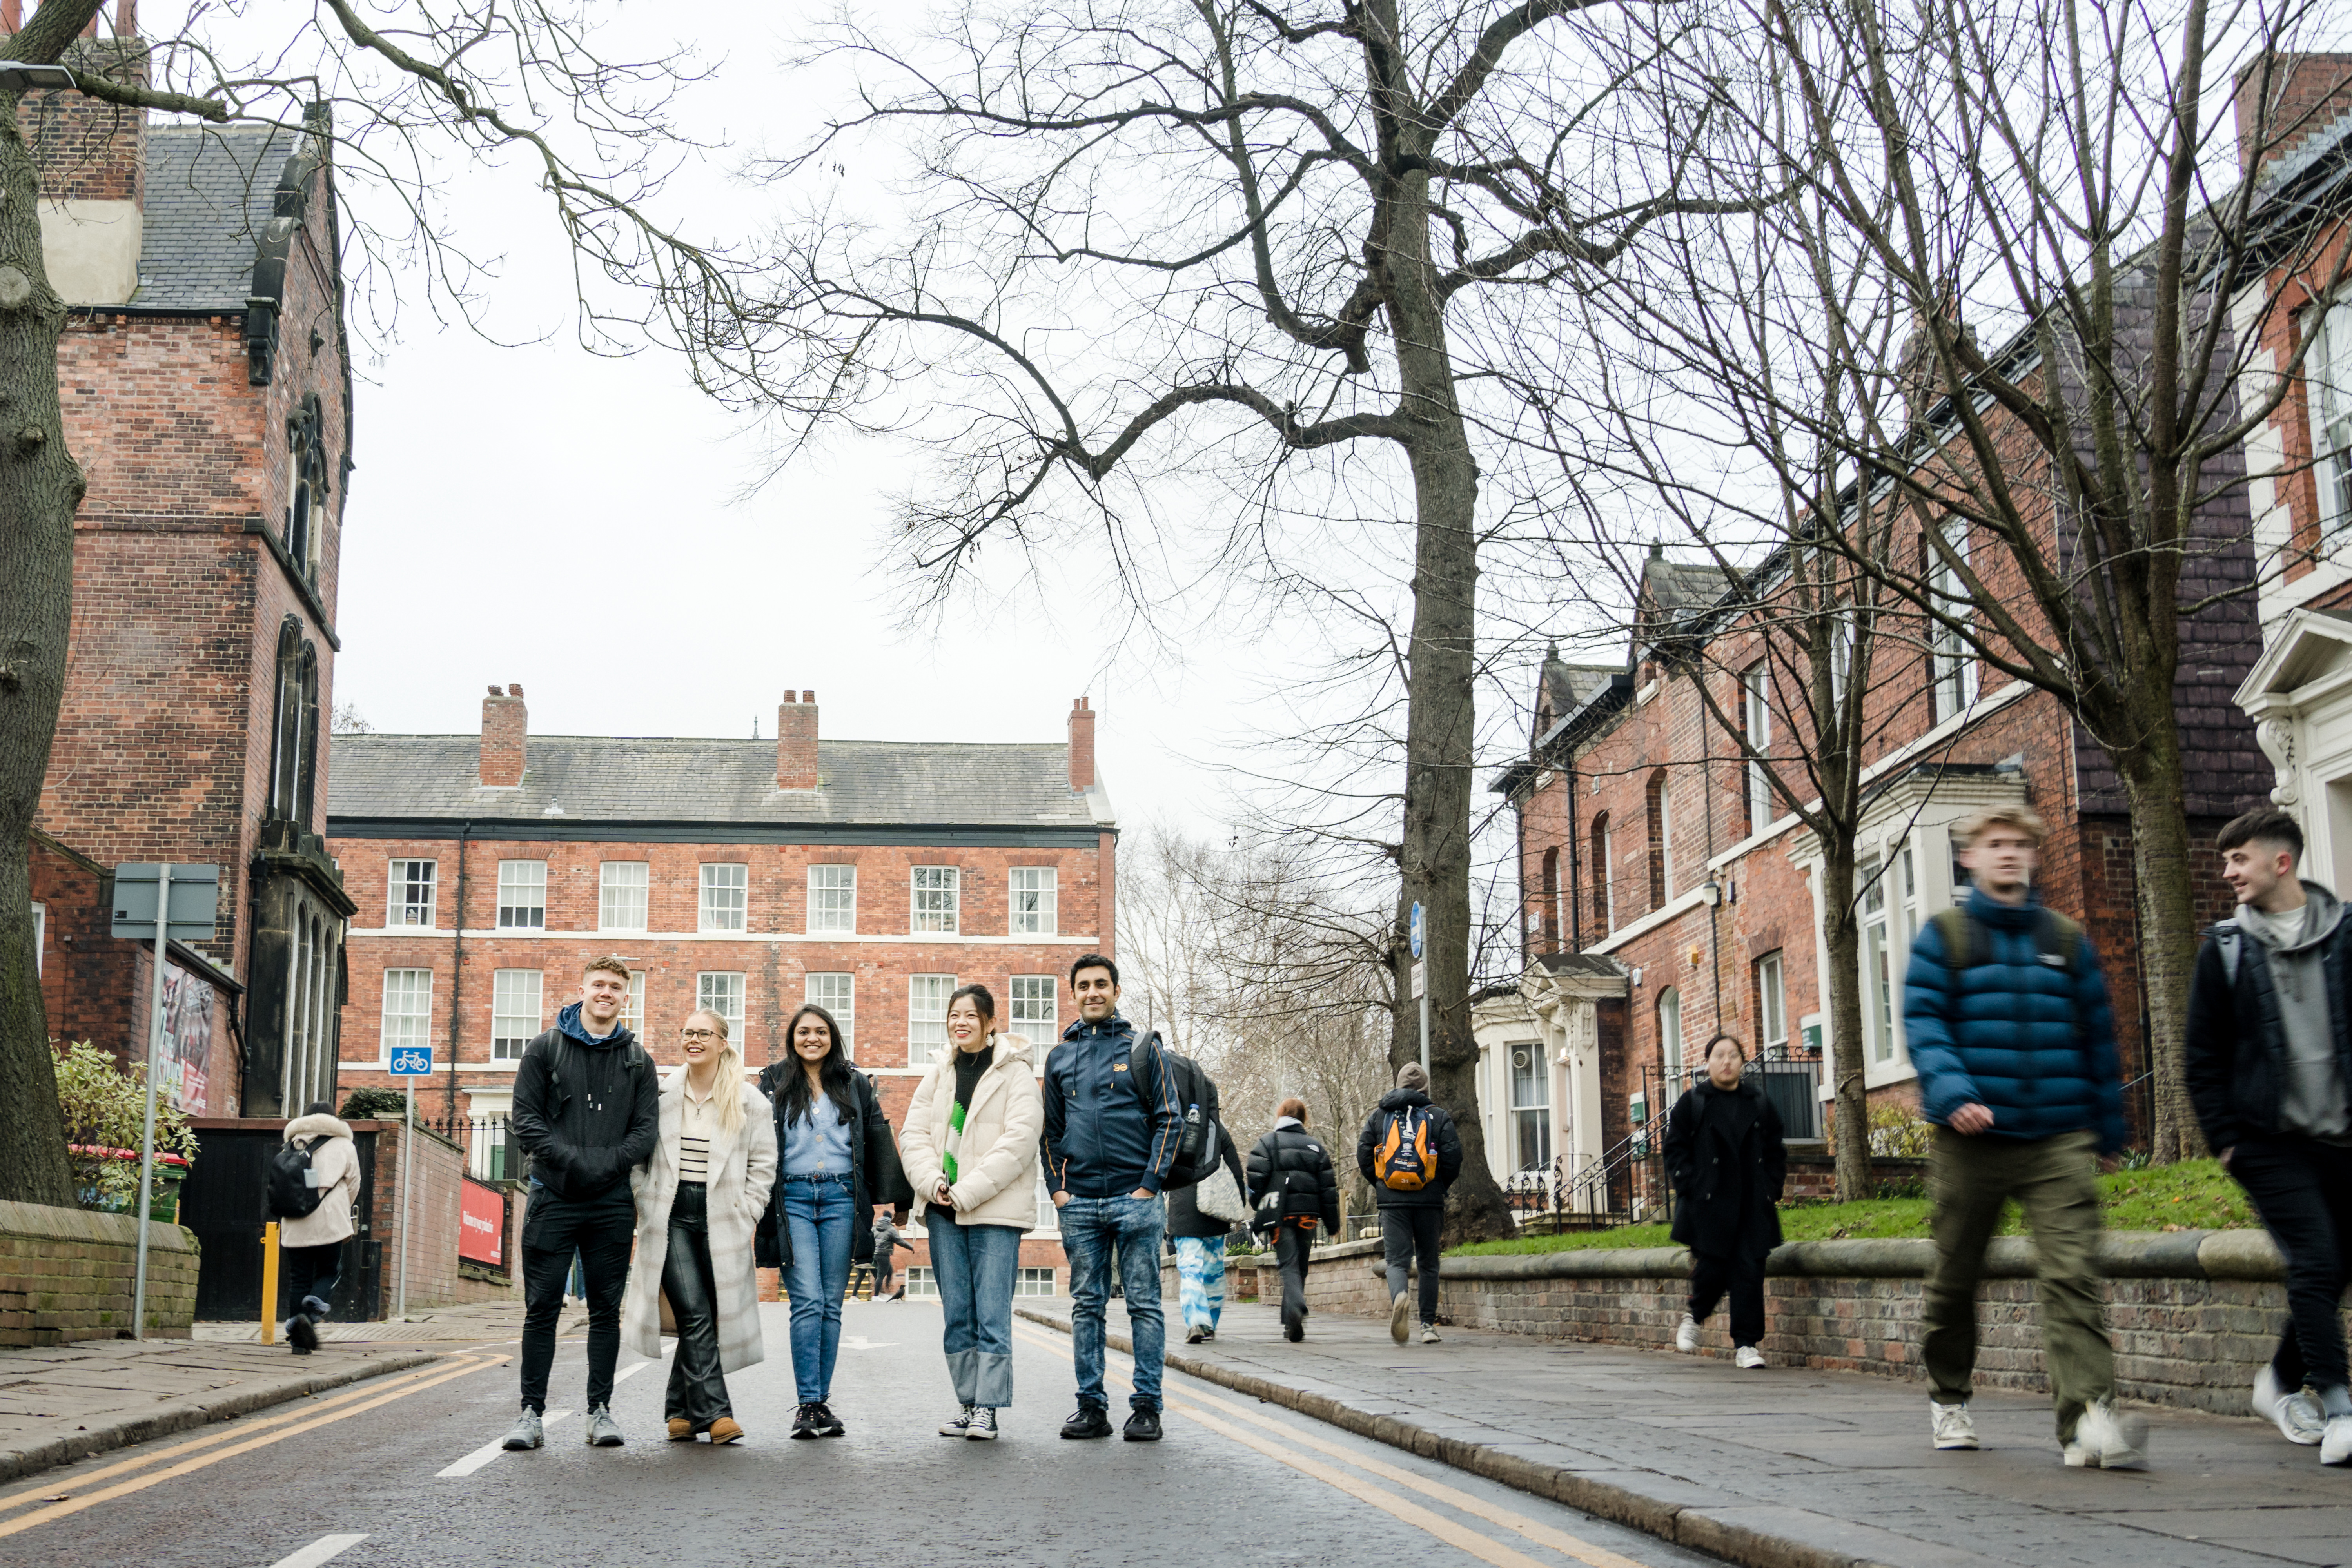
x,y
482,1224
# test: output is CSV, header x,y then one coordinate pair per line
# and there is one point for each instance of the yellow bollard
x,y
269,1283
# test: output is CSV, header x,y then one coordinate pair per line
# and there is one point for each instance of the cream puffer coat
x,y
740,1172
335,1164
998,1165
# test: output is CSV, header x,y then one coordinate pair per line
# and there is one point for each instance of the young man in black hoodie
x,y
587,1111
1412,1197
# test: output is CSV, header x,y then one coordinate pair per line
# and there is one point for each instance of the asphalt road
x,y
403,1470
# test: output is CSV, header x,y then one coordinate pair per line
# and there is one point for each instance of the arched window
x,y
1670,1036
1547,921
1662,847
1604,901
306,485
294,731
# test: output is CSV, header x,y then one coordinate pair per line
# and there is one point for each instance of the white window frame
x,y
616,891
1032,900
1023,1014
1605,868
517,997
1755,700
927,1017
1032,1281
1528,1115
1881,988
724,906
632,1012
399,881
1671,1049
1952,668
918,1280
1049,1218
1666,840
827,883
2327,370
724,992
844,1011
408,1011
1772,1004
518,881
935,900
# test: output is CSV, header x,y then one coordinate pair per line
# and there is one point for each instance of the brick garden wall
x,y
68,1274
431,1243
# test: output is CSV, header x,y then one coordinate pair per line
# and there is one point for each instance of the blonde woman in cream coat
x,y
970,1148
699,1197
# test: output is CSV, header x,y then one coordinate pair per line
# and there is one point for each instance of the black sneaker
x,y
1142,1426
1088,1421
1293,1329
301,1337
828,1425
805,1421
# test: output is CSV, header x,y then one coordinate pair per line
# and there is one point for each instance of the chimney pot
x,y
796,741
1082,745
506,726
808,696
514,690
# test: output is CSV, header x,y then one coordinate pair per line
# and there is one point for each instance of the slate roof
x,y
718,781
1679,589
1571,686
210,190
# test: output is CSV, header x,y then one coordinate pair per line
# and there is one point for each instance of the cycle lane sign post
x,y
409,1063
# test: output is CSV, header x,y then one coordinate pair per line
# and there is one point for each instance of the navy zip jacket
x,y
2012,1032
1101,1141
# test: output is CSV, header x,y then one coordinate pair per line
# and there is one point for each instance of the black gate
x,y
222,1203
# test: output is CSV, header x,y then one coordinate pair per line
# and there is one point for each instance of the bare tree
x,y
477,79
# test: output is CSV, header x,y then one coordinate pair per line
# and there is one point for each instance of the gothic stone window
x,y
306,485
294,738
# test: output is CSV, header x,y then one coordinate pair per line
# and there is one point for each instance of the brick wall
x,y
68,1274
431,1242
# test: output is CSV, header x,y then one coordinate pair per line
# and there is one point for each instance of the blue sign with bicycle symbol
x,y
412,1061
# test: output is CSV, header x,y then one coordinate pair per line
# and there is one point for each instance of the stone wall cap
x,y
52,1223
2128,1254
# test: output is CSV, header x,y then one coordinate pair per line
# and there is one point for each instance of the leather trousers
x,y
697,1390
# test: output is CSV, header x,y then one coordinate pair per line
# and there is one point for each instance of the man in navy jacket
x,y
2008,1023
1112,1122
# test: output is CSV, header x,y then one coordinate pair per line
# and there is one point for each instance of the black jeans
x,y
1293,1245
1741,1273
311,1272
1409,1235
2302,1190
698,1389
603,1230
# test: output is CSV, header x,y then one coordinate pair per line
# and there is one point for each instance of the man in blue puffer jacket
x,y
2007,1018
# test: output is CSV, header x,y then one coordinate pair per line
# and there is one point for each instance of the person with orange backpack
x,y
1411,1153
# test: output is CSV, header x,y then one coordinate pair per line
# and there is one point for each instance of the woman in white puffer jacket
x,y
310,1245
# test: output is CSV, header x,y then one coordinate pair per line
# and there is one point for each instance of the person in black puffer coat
x,y
1290,1160
1728,1161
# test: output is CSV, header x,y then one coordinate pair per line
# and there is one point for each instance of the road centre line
x,y
491,1450
225,1431
1485,1548
320,1550
77,1503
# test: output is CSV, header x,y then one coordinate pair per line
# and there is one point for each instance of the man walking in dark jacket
x,y
1111,1128
2009,1027
2270,1059
587,1111
1409,1153
1291,1165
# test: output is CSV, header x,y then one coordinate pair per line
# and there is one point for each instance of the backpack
x,y
293,1184
2057,939
1196,1094
1402,1162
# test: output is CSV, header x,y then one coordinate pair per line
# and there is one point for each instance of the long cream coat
x,y
336,1166
1001,1128
742,1170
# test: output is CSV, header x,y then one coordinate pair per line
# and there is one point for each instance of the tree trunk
x,y
40,486
1842,937
2152,781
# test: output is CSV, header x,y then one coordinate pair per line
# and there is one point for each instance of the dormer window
x,y
306,486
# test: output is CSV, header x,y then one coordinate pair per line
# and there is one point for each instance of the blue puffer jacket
x,y
2014,1033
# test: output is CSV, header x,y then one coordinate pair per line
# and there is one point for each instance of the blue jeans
x,y
974,1264
1091,1228
822,1218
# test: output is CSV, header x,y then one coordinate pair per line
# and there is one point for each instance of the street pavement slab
x,y
1783,1467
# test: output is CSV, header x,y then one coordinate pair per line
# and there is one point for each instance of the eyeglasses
x,y
698,1034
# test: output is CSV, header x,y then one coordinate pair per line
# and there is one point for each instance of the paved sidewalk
x,y
480,1322
67,1402
1784,1469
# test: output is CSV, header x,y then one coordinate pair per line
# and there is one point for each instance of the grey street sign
x,y
196,901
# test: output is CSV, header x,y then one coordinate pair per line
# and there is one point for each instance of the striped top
x,y
697,1125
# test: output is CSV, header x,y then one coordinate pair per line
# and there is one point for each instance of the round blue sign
x,y
1417,929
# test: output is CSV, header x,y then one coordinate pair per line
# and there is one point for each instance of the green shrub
x,y
105,1107
374,1104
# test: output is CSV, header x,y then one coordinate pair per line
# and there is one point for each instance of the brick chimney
x,y
2306,93
505,725
1082,745
796,741
92,162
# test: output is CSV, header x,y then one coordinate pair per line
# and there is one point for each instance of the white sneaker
x,y
1686,1336
1952,1426
984,1425
2107,1439
2296,1415
1400,1317
960,1426
1748,1358
1429,1333
2336,1446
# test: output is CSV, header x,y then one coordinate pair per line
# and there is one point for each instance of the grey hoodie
x,y
2312,1100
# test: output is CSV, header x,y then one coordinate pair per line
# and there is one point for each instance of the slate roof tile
x,y
210,190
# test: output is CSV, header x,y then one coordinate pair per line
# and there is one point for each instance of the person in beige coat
x,y
700,1195
970,1148
310,1245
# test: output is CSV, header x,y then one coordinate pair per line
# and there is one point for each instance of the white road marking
x,y
319,1551
860,1343
627,1373
476,1459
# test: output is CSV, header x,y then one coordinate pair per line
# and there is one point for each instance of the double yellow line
x,y
1485,1548
239,1437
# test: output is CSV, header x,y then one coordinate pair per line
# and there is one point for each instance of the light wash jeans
x,y
1091,1228
823,1217
1201,1280
974,1266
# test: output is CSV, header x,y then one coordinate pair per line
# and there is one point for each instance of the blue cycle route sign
x,y
412,1061
1418,927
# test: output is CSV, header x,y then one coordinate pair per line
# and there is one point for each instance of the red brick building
x,y
207,397
870,877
